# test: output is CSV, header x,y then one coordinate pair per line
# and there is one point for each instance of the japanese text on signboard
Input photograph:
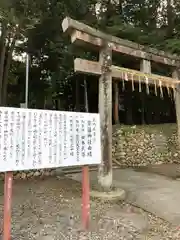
x,y
34,139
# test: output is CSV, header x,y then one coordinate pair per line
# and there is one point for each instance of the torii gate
x,y
86,36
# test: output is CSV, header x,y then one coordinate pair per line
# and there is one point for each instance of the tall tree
x,y
14,23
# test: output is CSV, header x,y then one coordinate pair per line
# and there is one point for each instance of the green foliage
x,y
51,70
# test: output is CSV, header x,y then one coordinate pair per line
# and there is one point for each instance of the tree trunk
x,y
105,110
2,60
170,18
120,7
6,71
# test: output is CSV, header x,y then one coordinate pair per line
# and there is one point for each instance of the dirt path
x,y
50,209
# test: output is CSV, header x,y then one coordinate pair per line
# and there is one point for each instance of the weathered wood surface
x,y
105,110
145,66
175,75
116,102
84,34
94,68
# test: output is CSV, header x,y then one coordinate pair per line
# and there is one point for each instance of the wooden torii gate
x,y
86,36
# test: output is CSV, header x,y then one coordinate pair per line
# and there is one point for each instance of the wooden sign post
x,y
85,198
7,205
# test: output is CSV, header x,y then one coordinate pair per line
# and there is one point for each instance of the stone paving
x,y
154,193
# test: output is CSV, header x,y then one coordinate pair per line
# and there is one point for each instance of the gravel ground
x,y
50,209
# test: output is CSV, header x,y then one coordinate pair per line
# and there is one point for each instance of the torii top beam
x,y
82,34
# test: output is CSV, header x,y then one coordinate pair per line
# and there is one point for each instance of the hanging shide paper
x,y
155,88
141,78
161,90
147,85
140,89
126,76
132,79
167,87
173,91
153,77
123,84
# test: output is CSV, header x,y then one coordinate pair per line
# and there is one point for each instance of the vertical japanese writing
x,y
8,135
13,136
45,130
29,133
77,138
23,137
34,139
5,145
60,140
89,138
26,121
94,130
71,137
19,124
1,134
65,135
35,147
18,140
50,138
40,135
54,138
83,139
45,134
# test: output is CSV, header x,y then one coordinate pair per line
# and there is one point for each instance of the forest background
x,y
34,27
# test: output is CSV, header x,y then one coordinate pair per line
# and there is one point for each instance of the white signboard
x,y
35,139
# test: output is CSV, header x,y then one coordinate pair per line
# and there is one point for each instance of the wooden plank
x,y
84,39
93,36
116,102
145,67
105,110
86,66
94,68
175,75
